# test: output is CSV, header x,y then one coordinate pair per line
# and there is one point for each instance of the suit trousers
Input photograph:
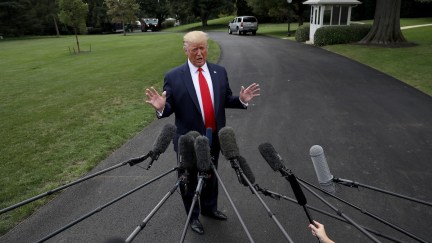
x,y
209,193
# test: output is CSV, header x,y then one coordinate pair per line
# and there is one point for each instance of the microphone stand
x,y
355,184
352,222
238,170
201,177
278,196
131,162
231,202
366,212
104,206
153,212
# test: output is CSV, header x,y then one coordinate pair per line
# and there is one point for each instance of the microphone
x,y
276,163
272,157
230,150
245,176
187,158
161,144
246,170
193,134
325,178
228,143
202,151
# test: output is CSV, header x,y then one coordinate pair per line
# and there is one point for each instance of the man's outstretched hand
x,y
155,100
249,93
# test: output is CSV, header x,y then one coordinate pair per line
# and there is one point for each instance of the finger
x,y
153,91
253,86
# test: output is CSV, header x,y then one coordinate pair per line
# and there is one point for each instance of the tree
x,y
181,10
278,9
155,9
97,17
15,17
204,9
122,11
73,13
386,26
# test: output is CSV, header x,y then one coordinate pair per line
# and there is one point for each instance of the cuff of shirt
x,y
159,114
244,104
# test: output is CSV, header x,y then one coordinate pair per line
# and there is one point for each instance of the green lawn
x,y
62,114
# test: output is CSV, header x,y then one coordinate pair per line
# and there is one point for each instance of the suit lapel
x,y
216,89
187,80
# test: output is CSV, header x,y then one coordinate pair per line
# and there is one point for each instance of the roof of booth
x,y
326,2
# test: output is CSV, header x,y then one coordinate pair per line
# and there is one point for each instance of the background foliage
x,y
36,17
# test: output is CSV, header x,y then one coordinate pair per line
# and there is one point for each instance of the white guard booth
x,y
329,12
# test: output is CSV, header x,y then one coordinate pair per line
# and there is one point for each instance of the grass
x,y
411,65
405,21
62,114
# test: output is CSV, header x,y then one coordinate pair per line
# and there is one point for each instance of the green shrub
x,y
330,35
302,33
168,24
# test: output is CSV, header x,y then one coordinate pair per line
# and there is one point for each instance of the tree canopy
x,y
73,13
38,17
122,11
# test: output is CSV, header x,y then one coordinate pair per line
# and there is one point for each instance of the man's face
x,y
197,54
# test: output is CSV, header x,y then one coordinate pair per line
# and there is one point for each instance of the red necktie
x,y
209,118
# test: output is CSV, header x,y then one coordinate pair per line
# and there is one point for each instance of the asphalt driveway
x,y
374,129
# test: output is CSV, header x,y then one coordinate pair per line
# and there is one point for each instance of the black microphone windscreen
x,y
325,178
246,170
186,149
228,143
165,137
271,156
202,151
298,192
194,134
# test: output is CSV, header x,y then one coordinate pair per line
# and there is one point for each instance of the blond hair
x,y
194,37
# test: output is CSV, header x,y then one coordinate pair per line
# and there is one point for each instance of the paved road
x,y
374,129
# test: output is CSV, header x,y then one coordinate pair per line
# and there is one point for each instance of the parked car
x,y
149,24
243,25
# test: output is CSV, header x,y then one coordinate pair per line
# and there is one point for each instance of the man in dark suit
x,y
198,92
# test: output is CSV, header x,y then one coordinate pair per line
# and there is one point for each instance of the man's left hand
x,y
249,93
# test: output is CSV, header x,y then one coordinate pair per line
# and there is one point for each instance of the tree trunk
x,y
204,17
56,26
386,26
76,37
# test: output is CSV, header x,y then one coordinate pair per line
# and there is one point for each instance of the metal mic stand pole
x,y
277,196
198,189
271,215
152,213
340,213
231,202
132,161
367,213
104,206
355,184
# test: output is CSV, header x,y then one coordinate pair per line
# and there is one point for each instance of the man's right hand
x,y
156,100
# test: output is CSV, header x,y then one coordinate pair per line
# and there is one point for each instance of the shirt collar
x,y
195,69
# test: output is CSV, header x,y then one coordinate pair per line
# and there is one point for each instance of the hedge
x,y
330,35
302,33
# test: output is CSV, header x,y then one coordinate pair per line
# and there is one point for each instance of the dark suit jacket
x,y
182,99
